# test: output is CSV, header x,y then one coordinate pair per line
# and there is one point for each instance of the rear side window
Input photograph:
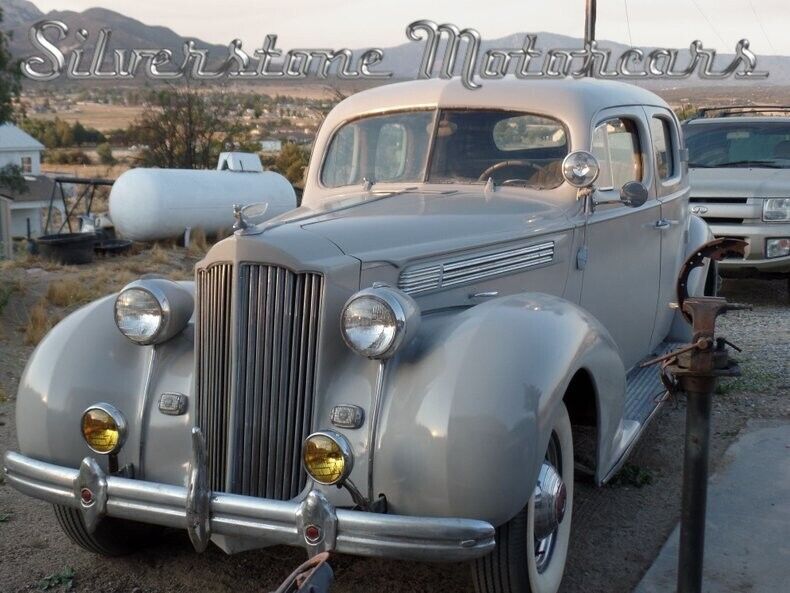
x,y
662,147
617,148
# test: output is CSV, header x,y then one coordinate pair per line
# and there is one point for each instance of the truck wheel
x,y
112,537
532,547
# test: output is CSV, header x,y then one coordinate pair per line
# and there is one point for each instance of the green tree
x,y
10,175
292,162
183,128
104,151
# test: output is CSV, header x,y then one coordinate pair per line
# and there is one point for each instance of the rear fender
x,y
699,233
467,408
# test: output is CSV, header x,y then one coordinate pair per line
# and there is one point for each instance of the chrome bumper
x,y
270,521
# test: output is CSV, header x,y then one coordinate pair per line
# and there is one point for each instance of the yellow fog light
x,y
103,428
327,457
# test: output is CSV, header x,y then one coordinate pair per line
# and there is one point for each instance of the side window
x,y
616,146
662,147
27,165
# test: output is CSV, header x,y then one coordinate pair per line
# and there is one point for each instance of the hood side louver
x,y
452,272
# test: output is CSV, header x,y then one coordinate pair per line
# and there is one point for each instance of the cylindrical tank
x,y
151,204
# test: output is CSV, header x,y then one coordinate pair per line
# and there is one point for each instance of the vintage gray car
x,y
408,365
739,170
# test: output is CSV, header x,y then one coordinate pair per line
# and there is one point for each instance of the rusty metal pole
x,y
695,369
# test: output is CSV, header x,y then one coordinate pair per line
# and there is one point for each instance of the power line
x,y
762,28
707,20
628,21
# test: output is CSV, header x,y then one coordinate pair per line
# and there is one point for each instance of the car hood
x,y
739,183
406,225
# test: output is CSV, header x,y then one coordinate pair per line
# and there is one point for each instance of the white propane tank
x,y
152,204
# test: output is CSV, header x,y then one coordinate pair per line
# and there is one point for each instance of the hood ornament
x,y
249,215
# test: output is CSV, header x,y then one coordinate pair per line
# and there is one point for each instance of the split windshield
x,y
739,144
454,146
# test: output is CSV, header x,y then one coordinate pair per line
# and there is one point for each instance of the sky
x,y
366,23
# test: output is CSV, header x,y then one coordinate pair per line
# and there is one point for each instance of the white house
x,y
21,149
17,210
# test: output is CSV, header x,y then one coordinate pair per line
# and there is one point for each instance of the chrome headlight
x,y
377,321
776,210
152,311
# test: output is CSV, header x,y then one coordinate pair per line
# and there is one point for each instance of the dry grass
x,y
198,244
39,323
68,292
96,115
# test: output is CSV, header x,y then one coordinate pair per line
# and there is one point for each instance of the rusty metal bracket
x,y
715,250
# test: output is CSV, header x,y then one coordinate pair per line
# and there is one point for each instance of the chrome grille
x,y
255,429
213,365
277,342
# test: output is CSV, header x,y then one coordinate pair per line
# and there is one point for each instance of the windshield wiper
x,y
768,164
700,166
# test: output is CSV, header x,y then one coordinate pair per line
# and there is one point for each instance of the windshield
x,y
468,146
739,144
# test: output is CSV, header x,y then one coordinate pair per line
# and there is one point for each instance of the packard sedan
x,y
410,364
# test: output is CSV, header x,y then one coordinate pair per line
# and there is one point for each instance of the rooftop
x,y
12,138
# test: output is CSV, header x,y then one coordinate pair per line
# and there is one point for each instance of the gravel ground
x,y
618,529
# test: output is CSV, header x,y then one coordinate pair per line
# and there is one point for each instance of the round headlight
x,y
103,428
139,315
580,168
153,310
377,321
327,457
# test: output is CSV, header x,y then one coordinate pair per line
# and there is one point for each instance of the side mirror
x,y
633,194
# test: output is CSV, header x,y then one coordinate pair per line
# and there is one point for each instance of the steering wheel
x,y
512,163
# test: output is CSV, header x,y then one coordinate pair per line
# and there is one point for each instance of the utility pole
x,y
590,16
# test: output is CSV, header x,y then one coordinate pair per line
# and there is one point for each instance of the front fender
x,y
83,360
467,408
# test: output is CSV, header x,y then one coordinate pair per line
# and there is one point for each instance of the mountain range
x,y
403,60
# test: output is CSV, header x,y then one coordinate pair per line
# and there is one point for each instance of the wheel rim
x,y
544,547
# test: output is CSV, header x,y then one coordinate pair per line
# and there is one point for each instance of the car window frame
x,y
639,127
669,185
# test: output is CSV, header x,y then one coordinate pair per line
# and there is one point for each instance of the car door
x,y
621,274
672,191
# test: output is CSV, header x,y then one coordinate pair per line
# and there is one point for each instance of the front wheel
x,y
112,537
532,547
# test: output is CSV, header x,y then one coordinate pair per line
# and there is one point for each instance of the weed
x,y
5,517
65,578
632,475
198,244
67,293
755,378
3,395
38,324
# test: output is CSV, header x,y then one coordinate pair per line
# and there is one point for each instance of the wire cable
x,y
707,20
762,28
628,22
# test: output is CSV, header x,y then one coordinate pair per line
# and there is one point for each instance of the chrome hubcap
x,y
550,497
549,504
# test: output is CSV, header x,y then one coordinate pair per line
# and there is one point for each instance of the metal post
x,y
590,17
695,492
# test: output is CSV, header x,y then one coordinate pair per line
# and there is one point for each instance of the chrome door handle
x,y
663,223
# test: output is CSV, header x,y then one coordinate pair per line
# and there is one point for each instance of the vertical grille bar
x,y
212,380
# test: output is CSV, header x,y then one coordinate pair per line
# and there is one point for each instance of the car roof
x,y
564,98
760,119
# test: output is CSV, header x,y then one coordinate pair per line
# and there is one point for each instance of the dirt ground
x,y
618,529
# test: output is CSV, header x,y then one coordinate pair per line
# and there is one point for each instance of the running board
x,y
644,396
